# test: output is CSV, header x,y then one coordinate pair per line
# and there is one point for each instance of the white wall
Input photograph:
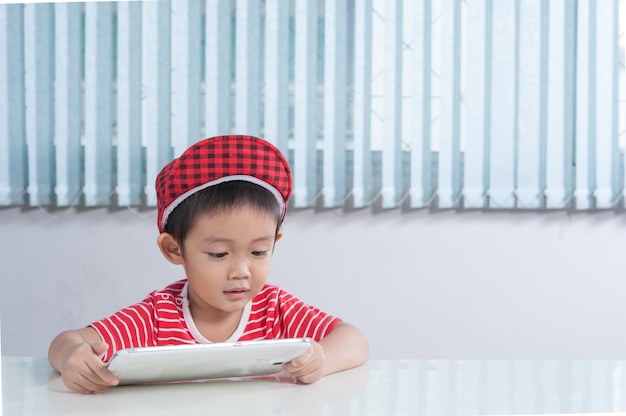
x,y
423,285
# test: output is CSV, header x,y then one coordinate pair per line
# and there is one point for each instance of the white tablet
x,y
205,361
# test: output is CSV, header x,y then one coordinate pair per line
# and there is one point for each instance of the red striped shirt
x,y
160,320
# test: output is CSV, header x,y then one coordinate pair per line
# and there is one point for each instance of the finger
x,y
295,368
309,368
99,348
100,375
88,376
311,376
304,370
82,384
301,371
86,386
303,359
76,387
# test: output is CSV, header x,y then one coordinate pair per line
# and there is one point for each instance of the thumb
x,y
99,347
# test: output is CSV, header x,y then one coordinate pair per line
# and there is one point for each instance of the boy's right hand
x,y
84,371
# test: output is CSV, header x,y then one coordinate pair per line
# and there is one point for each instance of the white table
x,y
381,387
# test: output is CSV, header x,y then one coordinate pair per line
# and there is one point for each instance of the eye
x,y
260,253
217,255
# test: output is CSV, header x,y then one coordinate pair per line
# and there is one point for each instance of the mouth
x,y
236,294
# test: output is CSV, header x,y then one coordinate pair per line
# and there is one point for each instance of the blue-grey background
x,y
472,285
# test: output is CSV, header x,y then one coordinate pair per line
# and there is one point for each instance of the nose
x,y
239,269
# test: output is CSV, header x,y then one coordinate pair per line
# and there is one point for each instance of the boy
x,y
220,206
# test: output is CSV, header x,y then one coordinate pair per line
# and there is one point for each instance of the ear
x,y
279,235
169,248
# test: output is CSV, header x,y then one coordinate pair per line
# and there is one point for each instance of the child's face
x,y
227,259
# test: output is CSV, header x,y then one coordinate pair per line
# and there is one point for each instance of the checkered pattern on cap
x,y
220,159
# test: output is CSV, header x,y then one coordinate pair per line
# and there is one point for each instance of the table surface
x,y
380,387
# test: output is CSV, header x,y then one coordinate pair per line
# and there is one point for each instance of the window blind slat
x,y
12,112
584,82
477,103
556,122
503,80
155,73
305,103
186,73
39,82
276,97
530,110
68,100
362,170
450,74
569,105
421,188
247,68
98,103
335,49
217,84
392,136
129,153
606,134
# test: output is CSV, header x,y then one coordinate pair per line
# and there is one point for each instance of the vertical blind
x,y
475,104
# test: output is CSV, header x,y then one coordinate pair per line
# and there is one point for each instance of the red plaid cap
x,y
221,159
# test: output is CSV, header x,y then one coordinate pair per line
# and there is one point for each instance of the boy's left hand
x,y
308,367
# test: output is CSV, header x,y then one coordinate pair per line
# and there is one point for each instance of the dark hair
x,y
221,198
